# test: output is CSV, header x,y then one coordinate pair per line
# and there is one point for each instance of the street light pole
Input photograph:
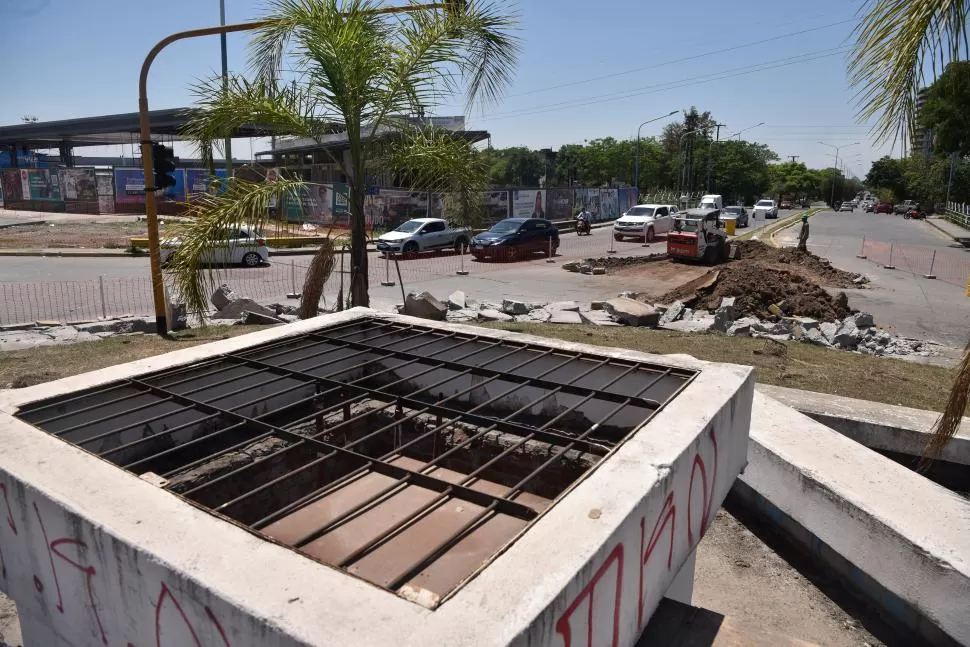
x,y
225,80
836,167
680,157
636,156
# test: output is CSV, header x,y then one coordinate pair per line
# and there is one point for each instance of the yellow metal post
x,y
730,225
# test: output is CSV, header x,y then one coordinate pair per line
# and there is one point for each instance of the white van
x,y
713,201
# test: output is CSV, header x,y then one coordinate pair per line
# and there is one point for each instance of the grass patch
x,y
793,364
20,368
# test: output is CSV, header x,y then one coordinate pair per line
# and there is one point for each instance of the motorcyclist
x,y
583,219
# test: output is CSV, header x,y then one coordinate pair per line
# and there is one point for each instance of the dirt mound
x,y
818,269
766,275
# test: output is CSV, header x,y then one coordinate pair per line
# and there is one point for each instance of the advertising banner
x,y
590,199
609,204
528,203
106,192
199,180
628,199
12,189
79,184
40,185
559,204
130,186
496,206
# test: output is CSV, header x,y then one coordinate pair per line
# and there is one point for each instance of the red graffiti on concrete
x,y
89,572
166,594
708,494
563,626
668,513
6,500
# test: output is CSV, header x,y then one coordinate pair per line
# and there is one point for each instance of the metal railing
x,y
959,214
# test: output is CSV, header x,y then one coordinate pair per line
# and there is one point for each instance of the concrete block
x,y
425,306
742,327
536,316
597,305
814,336
673,312
47,323
697,323
23,339
771,328
570,306
829,331
457,300
865,516
513,307
599,270
597,318
805,323
258,319
223,296
236,307
571,266
564,317
490,314
724,315
848,336
631,313
863,320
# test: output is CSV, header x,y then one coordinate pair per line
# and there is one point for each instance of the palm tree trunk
x,y
359,295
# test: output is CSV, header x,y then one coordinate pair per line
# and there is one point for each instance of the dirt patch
x,y
72,235
766,276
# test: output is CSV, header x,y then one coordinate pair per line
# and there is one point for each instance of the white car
x,y
767,209
423,235
238,245
645,221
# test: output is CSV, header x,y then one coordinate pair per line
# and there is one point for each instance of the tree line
x,y
687,158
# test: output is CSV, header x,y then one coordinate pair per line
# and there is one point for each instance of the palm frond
x,y
895,42
241,203
949,422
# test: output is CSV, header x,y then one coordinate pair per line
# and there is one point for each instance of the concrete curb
x,y
789,222
865,517
70,253
956,239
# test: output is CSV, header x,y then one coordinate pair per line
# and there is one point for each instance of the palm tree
x,y
366,70
900,47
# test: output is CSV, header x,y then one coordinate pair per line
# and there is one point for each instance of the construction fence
x,y
950,266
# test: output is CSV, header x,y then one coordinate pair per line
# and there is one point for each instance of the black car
x,y
515,238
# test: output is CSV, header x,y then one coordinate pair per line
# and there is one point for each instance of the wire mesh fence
x,y
950,266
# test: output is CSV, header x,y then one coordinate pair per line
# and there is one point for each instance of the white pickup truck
x,y
424,235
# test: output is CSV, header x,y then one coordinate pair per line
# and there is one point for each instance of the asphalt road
x,y
901,299
70,287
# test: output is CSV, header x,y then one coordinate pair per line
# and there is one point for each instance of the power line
x,y
651,89
680,60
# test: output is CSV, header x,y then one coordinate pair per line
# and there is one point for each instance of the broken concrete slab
x,y
815,336
457,300
121,326
724,315
563,305
571,266
698,323
513,307
742,327
597,318
596,305
235,308
258,319
536,316
223,296
848,335
490,314
425,306
599,270
771,328
829,330
631,313
564,317
23,339
863,320
673,312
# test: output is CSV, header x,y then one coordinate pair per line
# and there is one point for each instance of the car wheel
x,y
251,259
617,237
650,235
512,253
410,248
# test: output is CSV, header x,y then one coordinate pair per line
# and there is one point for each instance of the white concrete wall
x,y
95,556
908,534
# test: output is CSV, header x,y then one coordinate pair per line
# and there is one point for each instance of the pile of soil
x,y
766,275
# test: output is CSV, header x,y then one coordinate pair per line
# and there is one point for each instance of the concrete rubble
x,y
51,333
425,306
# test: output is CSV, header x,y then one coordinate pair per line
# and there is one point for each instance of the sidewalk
x,y
956,232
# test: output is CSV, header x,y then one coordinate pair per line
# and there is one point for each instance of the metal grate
x,y
406,455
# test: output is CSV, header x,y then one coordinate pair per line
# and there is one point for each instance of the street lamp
x,y
738,134
832,201
636,158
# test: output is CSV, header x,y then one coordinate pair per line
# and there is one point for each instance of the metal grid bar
x,y
349,347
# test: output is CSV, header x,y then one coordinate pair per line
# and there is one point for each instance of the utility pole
x,y
793,158
225,81
710,155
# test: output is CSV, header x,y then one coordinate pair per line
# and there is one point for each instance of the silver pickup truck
x,y
424,235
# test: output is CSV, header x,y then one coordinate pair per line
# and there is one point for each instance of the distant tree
x,y
516,166
945,111
741,170
887,173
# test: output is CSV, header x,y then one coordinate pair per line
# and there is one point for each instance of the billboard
x,y
40,185
559,204
106,192
199,180
79,184
130,186
609,204
528,203
627,199
590,200
12,188
496,206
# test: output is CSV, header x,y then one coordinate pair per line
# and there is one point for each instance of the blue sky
x,y
583,74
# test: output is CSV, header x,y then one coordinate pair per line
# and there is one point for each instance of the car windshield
x,y
765,203
409,227
505,227
733,209
639,211
687,224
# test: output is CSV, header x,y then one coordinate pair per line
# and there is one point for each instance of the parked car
x,y
423,235
785,204
847,206
644,222
767,208
904,206
738,214
883,207
869,207
515,238
236,245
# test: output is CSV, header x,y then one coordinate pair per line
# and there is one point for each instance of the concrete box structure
x,y
95,555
